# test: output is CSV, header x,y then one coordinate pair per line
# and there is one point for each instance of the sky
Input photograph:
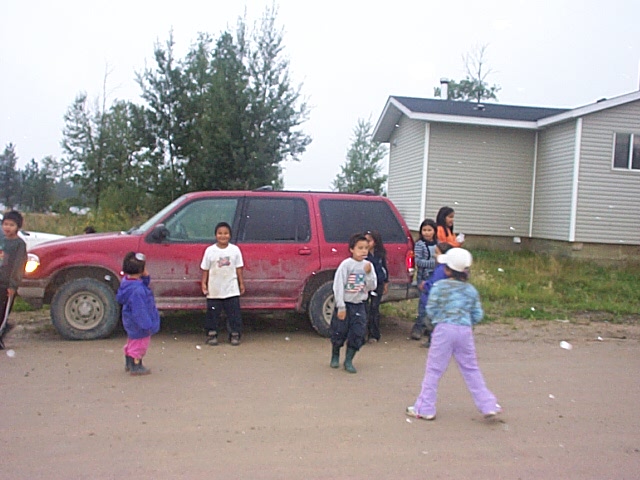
x,y
348,56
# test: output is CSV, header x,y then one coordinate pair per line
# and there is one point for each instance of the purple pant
x,y
453,340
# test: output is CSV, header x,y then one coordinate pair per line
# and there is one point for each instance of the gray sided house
x,y
536,174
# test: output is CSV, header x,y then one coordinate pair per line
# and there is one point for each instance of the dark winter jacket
x,y
380,267
140,316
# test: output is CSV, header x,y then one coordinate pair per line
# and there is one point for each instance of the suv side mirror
x,y
160,233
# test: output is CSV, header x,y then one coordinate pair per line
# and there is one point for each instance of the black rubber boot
x,y
138,369
348,365
335,356
128,363
416,332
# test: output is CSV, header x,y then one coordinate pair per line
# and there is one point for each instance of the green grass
x,y
69,224
532,286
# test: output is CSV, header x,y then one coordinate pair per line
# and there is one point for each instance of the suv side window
x,y
343,218
275,220
195,222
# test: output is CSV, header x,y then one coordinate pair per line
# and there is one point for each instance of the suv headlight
x,y
33,262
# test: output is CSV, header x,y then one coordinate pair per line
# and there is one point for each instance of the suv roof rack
x,y
367,191
264,188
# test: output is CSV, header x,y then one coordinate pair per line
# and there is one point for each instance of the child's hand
x,y
205,290
242,290
342,314
367,267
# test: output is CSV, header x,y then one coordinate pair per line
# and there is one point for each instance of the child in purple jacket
x,y
140,316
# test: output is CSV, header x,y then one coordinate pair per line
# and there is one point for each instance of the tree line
x,y
225,116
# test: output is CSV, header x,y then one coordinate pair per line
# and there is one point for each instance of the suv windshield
x,y
153,220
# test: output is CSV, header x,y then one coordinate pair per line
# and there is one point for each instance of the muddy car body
x,y
292,243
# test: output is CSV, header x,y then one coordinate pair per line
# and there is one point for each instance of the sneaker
x,y
493,413
373,340
235,339
411,412
212,338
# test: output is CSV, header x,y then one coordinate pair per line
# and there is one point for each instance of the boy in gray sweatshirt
x,y
354,279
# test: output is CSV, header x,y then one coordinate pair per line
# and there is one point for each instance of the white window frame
x,y
633,137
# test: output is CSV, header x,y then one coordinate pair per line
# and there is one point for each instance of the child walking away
x,y
222,283
13,257
424,253
438,274
445,228
378,257
354,279
140,316
454,307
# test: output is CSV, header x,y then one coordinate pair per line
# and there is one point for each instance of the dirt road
x,y
273,409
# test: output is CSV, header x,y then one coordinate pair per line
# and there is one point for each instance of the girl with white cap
x,y
453,307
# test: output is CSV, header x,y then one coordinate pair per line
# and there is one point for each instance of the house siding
x,y
554,179
406,158
608,208
484,174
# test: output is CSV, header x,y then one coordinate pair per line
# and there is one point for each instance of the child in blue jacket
x,y
140,316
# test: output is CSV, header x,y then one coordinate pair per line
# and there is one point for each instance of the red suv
x,y
291,242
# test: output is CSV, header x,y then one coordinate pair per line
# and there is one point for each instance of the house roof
x,y
486,114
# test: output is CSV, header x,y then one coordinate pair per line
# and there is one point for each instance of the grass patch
x,y
543,287
69,224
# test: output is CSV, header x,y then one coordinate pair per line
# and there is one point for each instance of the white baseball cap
x,y
457,259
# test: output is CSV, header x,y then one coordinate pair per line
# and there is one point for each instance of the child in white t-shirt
x,y
222,283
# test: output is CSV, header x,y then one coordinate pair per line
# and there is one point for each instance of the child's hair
x,y
462,276
378,247
133,263
89,229
432,224
15,216
220,225
444,247
355,238
441,219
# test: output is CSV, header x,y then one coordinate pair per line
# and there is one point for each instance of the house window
x,y
626,152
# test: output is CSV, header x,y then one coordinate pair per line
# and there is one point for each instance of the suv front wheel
x,y
84,309
321,308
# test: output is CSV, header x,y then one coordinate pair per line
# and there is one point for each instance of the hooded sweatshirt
x,y
140,316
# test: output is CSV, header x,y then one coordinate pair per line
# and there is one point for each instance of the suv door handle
x,y
304,251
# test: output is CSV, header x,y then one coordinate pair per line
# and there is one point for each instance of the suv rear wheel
x,y
84,309
321,308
